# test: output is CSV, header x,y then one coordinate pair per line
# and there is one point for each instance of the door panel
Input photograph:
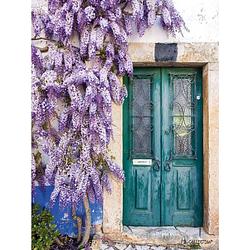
x,y
181,193
141,134
163,123
142,189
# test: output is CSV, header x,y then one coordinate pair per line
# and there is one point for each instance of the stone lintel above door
x,y
178,53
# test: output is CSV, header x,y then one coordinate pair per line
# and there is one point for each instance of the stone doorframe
x,y
203,55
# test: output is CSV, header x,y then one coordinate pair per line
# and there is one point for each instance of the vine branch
x,y
78,222
86,235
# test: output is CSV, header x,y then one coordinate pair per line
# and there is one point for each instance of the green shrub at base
x,y
44,231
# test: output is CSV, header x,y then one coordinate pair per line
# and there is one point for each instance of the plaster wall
x,y
201,18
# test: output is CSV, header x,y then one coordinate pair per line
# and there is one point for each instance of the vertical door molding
x,y
211,147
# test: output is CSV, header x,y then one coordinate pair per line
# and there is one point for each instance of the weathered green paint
x,y
170,191
142,201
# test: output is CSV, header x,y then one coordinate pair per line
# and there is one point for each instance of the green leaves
x,y
44,231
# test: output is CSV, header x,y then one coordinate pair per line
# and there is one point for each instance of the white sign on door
x,y
142,161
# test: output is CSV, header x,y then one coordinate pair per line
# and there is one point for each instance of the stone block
x,y
104,246
120,246
142,247
141,52
197,52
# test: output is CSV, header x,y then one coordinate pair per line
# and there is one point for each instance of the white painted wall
x,y
201,17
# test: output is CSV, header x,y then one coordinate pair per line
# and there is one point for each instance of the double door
x,y
162,148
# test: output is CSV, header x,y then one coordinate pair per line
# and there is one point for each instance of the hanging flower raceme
x,y
75,82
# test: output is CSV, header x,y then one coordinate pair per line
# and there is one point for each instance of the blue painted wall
x,y
63,217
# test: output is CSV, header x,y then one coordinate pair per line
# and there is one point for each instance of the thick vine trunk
x,y
78,223
58,242
86,234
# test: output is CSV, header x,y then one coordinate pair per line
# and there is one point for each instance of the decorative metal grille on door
x,y
183,114
141,117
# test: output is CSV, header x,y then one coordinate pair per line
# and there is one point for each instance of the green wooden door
x,y
162,148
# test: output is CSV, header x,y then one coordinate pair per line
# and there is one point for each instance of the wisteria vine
x,y
74,83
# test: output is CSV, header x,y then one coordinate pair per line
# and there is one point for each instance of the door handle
x,y
167,166
156,165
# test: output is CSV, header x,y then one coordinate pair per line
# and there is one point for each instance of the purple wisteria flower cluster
x,y
73,87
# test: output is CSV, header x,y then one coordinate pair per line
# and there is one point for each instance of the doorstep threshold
x,y
166,236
